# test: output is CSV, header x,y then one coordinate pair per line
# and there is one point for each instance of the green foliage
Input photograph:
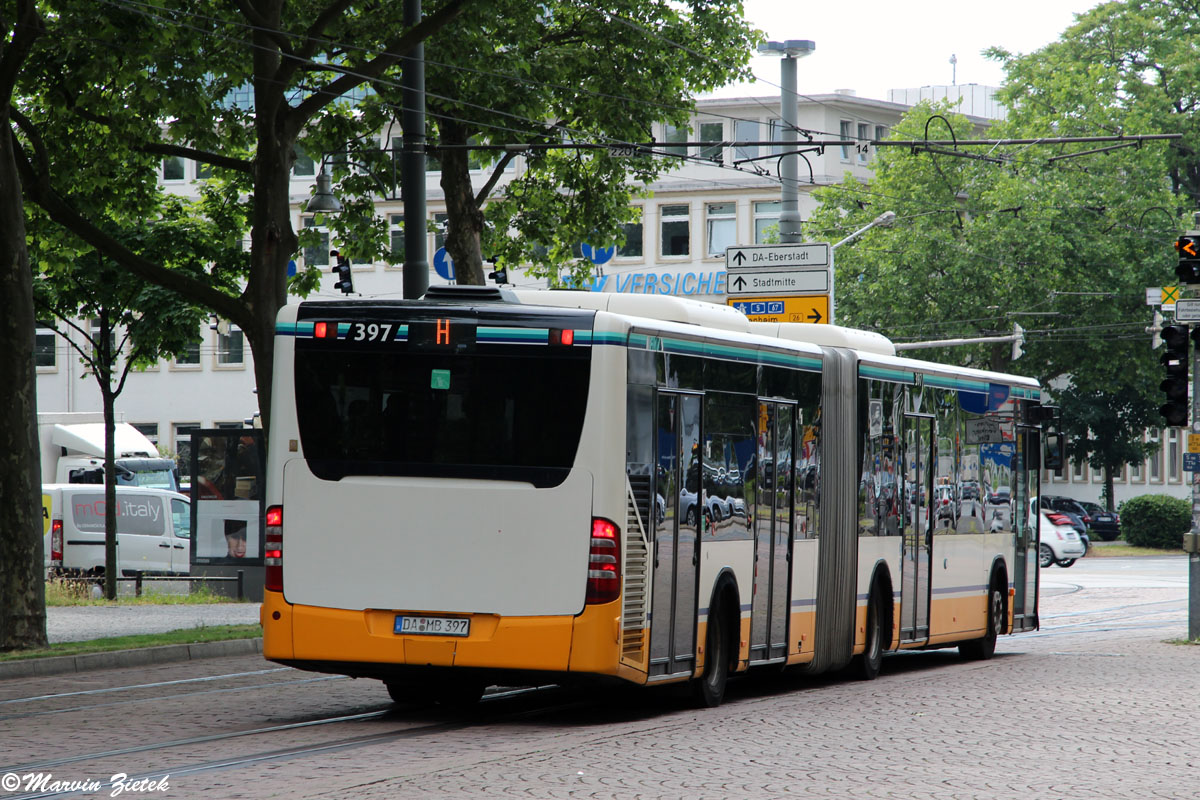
x,y
1155,520
510,72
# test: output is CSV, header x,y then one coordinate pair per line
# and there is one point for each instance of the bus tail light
x,y
56,543
273,550
604,563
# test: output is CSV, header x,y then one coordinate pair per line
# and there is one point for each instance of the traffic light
x,y
1175,386
1188,269
344,282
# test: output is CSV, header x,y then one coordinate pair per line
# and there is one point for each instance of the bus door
x,y
679,492
920,458
772,532
1025,530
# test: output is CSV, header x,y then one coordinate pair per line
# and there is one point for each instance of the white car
x,y
1059,542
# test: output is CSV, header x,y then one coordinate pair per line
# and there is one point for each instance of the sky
x,y
871,46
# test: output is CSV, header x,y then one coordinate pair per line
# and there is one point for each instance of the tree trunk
x,y
463,236
22,588
272,240
104,377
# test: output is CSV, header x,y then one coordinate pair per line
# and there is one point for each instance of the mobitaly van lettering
x,y
142,514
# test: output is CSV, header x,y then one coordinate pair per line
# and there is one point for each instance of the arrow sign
x,y
739,283
815,316
739,257
775,282
792,255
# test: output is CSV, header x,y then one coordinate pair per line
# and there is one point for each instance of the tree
x,y
139,319
166,93
22,596
1066,247
531,77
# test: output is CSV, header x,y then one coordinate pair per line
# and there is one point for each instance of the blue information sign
x,y
1191,462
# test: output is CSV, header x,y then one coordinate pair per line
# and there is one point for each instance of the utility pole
x,y
1188,272
789,211
412,162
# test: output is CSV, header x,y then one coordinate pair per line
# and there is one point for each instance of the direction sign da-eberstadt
x,y
777,256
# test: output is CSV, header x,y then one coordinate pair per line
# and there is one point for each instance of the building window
x,y
94,339
440,221
1079,471
1154,465
190,356
183,445
1137,472
674,137
316,255
776,135
304,167
881,132
173,169
766,222
845,128
149,430
43,347
863,137
712,132
1174,459
675,234
230,348
722,227
746,130
397,232
631,239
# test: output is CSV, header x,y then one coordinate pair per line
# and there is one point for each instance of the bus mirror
x,y
1053,459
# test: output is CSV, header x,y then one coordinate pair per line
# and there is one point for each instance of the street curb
x,y
58,665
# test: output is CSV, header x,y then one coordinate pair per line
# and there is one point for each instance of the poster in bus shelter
x,y
227,472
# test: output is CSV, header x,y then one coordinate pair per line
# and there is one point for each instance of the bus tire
x,y
867,664
985,647
709,689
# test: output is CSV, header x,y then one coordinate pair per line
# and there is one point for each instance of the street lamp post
x,y
789,212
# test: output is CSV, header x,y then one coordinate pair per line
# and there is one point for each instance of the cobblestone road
x,y
1098,704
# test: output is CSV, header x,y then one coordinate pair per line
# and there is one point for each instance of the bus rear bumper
x,y
363,643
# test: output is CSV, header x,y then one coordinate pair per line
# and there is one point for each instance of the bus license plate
x,y
432,626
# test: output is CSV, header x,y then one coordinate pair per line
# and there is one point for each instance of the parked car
x,y
1058,542
1071,510
999,496
1105,524
153,530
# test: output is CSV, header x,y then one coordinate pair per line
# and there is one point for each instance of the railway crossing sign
x,y
810,308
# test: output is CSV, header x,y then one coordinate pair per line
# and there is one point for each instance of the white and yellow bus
x,y
496,487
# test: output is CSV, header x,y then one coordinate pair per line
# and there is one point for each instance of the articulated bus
x,y
498,487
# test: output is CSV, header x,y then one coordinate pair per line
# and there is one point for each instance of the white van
x,y
153,530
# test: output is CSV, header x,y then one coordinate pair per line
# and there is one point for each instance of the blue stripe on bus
x,y
732,352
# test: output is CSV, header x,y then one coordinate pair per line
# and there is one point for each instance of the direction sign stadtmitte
x,y
776,256
792,281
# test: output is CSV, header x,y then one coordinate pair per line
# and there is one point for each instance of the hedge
x,y
1156,520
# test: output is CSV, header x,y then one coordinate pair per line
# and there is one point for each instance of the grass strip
x,y
205,633
1123,549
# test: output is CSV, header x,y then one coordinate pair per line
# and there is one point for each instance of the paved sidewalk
x,y
80,623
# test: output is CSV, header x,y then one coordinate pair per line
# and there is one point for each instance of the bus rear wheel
x,y
709,689
866,666
984,648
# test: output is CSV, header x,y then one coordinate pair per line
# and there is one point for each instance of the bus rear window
x,y
504,412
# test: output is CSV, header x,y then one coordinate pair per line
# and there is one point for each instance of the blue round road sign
x,y
598,255
443,264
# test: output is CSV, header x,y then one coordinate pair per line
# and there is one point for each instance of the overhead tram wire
x,y
875,143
